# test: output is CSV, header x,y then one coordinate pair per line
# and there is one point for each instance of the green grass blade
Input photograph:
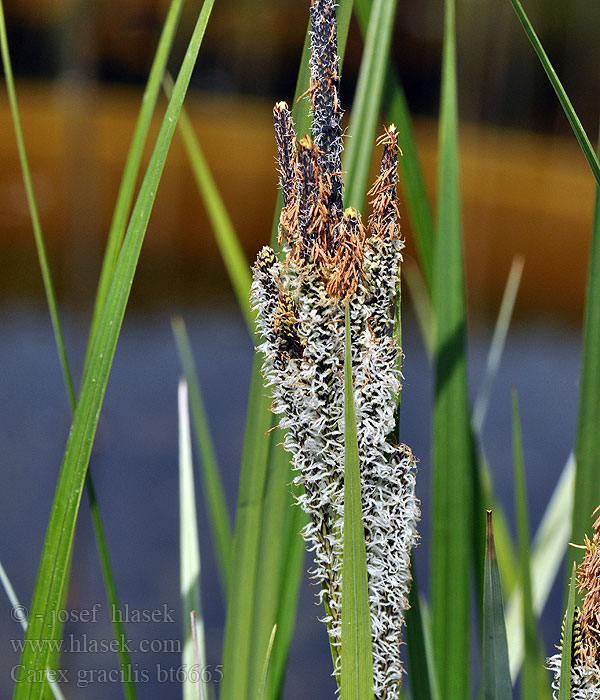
x,y
452,448
214,492
564,690
578,129
272,553
498,341
107,572
367,102
505,552
189,551
33,210
496,673
59,537
356,646
412,179
223,229
265,673
530,671
111,589
288,596
238,656
418,642
132,166
18,612
549,546
587,445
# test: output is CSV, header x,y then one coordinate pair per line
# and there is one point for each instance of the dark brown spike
x,y
286,149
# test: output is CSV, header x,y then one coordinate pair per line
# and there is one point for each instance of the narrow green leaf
x,y
238,658
578,129
496,673
33,210
111,589
587,444
530,671
59,537
367,102
494,356
453,469
227,239
356,646
108,576
549,547
418,642
412,179
265,674
505,552
18,613
193,654
132,166
564,689
214,492
272,552
288,595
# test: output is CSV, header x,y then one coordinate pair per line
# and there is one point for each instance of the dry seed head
x,y
383,222
588,582
347,269
307,218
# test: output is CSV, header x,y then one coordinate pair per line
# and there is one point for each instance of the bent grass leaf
x,y
53,567
356,647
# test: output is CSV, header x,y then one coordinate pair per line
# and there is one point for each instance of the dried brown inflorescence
x,y
330,259
383,221
588,583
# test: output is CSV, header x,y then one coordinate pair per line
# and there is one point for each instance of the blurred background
x,y
80,70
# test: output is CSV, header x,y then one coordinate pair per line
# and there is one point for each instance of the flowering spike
x,y
307,217
286,149
324,93
300,308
